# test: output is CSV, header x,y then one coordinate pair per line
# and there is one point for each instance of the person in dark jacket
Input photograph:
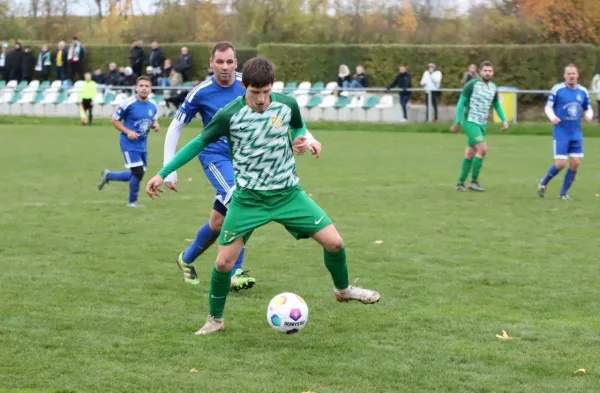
x,y
113,77
185,64
98,77
156,58
13,62
27,65
403,81
360,79
136,57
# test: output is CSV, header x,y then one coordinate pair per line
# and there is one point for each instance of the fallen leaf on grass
x,y
378,241
189,179
189,240
504,336
580,371
193,370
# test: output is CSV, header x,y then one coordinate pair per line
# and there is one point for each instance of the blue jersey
x,y
568,105
136,116
207,98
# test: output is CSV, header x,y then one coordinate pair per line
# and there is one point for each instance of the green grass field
x,y
91,299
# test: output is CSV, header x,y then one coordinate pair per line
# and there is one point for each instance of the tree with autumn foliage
x,y
567,21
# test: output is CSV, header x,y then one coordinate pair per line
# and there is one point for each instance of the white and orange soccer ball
x,y
287,313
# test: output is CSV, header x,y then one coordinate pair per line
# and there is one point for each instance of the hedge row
x,y
535,67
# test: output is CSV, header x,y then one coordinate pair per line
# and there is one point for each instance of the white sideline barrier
x,y
387,115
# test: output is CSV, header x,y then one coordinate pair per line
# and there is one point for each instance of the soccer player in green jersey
x,y
474,106
263,130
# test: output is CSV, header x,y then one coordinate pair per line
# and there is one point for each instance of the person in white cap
x,y
432,82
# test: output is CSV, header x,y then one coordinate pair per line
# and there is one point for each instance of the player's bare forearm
x,y
120,126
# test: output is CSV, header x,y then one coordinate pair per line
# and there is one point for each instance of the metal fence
x,y
509,97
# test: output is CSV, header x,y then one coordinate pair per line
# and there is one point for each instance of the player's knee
x,y
560,164
481,150
138,172
334,244
225,261
574,163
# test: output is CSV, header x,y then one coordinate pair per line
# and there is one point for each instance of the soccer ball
x,y
287,313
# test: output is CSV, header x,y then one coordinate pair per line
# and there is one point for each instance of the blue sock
x,y
553,171
134,189
204,238
118,176
569,179
240,261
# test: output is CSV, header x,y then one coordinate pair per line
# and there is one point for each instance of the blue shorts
x,y
219,171
565,148
134,159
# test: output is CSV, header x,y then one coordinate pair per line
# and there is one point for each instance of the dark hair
x,y
143,78
222,47
258,72
486,64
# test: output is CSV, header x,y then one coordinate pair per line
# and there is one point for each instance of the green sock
x,y
464,170
220,285
477,163
335,262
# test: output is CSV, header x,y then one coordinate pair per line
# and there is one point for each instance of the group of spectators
x,y
21,64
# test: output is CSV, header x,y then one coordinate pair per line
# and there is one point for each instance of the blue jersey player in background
x,y
134,118
567,102
206,99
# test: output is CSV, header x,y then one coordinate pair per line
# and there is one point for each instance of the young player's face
x,y
223,65
258,98
143,89
487,73
571,76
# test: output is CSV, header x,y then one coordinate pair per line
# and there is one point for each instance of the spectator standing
x,y
27,65
3,68
44,63
432,82
403,81
185,64
471,73
13,62
136,57
60,62
156,58
75,56
596,89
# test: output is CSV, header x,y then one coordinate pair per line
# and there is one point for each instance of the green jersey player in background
x,y
263,130
474,106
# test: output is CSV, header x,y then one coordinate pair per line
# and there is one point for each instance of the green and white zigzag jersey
x,y
480,97
260,143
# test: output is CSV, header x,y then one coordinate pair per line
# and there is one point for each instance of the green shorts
x,y
292,208
475,133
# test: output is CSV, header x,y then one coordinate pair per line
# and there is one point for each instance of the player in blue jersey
x,y
207,98
134,118
567,102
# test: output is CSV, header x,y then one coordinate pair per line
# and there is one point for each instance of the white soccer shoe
x,y
365,296
212,325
